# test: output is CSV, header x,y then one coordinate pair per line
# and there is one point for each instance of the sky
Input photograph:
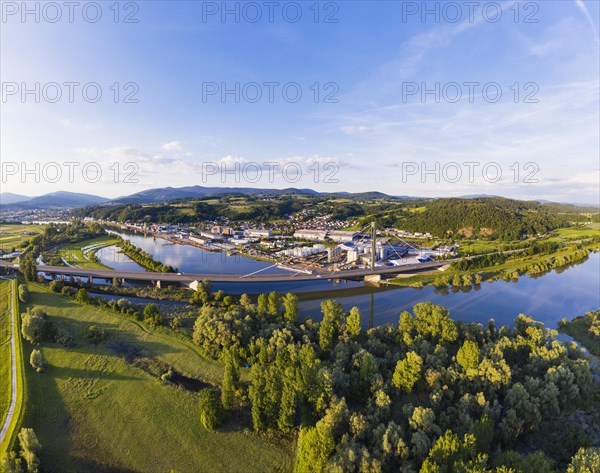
x,y
403,97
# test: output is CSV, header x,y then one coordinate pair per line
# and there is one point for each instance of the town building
x,y
307,234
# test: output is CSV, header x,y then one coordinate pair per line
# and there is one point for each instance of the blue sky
x,y
378,133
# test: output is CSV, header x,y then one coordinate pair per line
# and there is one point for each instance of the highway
x,y
259,277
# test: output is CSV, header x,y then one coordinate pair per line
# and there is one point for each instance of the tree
x,y
290,304
210,409
37,361
450,453
483,429
231,380
353,321
263,304
332,316
28,268
408,371
533,463
287,409
586,460
257,396
245,301
152,315
32,328
274,304
11,463
406,325
30,449
468,355
316,444
432,321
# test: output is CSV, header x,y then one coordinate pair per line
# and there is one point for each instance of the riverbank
x,y
585,329
142,258
512,268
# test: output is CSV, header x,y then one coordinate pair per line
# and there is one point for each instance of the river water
x,y
549,297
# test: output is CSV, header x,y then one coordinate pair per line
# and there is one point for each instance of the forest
x,y
428,394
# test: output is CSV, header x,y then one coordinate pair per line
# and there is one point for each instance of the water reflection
x,y
548,298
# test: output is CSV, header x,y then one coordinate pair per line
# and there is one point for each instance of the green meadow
x,y
81,254
103,407
5,361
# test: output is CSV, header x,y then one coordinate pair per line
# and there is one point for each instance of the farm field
x,y
586,231
97,408
13,236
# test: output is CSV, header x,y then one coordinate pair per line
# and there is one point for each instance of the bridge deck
x,y
188,278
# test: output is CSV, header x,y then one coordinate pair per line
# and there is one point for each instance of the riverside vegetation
x,y
426,395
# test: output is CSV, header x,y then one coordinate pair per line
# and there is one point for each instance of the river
x,y
186,258
549,297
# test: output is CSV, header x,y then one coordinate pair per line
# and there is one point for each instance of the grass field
x,y
80,253
5,375
13,236
10,439
476,247
94,410
587,231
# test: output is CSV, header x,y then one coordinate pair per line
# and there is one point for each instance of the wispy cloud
x,y
583,8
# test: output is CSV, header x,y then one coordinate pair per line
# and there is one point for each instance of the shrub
x,y
23,293
68,291
95,335
56,285
31,449
152,316
37,361
82,296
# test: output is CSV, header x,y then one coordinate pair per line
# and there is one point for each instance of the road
x,y
258,277
13,392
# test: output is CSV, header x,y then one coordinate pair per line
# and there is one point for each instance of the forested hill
x,y
493,217
481,217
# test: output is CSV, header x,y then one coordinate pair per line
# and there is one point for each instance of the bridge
x,y
189,279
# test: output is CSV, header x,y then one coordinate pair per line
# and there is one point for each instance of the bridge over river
x,y
189,279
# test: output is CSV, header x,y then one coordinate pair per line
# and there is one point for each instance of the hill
x,y
58,199
164,194
10,198
489,217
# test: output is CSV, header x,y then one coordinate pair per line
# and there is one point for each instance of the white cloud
x,y
172,146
